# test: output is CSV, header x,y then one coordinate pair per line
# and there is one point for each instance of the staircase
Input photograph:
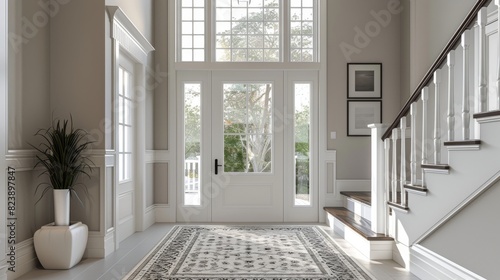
x,y
353,223
437,158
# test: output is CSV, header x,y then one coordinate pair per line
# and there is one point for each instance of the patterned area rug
x,y
247,252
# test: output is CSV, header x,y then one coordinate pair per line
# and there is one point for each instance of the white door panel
x,y
246,109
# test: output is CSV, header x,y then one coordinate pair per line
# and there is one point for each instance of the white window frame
x,y
285,42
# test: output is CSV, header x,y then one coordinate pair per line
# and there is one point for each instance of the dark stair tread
x,y
398,205
436,166
416,188
360,225
361,196
463,143
487,114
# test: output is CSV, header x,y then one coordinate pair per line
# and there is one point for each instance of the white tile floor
x,y
134,248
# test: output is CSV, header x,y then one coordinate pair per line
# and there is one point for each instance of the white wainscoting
x,y
25,259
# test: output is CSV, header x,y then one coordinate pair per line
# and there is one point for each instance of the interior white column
x,y
3,133
378,178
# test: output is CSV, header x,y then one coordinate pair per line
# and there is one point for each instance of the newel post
x,y
378,208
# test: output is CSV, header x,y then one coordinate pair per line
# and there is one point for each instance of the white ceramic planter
x,y
60,247
61,207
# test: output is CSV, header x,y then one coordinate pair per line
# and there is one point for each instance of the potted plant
x,y
61,154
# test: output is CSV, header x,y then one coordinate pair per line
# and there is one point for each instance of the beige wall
x,y
77,60
161,84
29,107
344,18
432,23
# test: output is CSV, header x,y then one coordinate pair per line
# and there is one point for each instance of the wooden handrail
x,y
452,43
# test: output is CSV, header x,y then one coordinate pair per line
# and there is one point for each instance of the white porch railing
x,y
192,175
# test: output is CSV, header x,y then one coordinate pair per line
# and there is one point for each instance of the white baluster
x,y
437,117
394,165
497,2
387,147
413,144
482,19
465,78
451,95
425,98
402,175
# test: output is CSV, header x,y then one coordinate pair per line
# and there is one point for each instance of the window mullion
x,y
209,30
285,31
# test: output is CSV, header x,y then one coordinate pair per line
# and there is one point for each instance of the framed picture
x,y
361,113
364,80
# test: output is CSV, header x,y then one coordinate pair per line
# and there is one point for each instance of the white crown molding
x,y
127,34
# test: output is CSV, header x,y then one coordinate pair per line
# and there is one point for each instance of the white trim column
x,y
127,39
3,133
378,207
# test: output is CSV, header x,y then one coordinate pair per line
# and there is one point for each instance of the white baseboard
x,y
149,217
3,272
99,246
26,259
426,264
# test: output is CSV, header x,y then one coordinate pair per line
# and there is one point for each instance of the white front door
x,y
247,143
248,149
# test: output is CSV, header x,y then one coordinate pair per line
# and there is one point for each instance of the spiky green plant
x,y
61,154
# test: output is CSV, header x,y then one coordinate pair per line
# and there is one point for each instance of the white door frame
x,y
128,40
290,211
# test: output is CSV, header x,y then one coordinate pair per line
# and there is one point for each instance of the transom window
x,y
247,31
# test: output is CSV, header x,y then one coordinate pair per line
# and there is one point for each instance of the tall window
x,y
125,125
247,31
192,143
192,30
302,132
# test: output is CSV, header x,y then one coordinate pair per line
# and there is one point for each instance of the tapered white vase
x,y
61,207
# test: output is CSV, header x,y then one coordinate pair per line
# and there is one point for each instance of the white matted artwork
x,y
361,113
364,80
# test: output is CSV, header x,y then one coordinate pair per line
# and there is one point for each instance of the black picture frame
x,y
361,113
364,80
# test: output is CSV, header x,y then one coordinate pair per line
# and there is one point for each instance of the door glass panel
x,y
192,143
124,125
248,127
302,124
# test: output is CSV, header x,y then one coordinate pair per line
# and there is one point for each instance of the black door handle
x,y
217,166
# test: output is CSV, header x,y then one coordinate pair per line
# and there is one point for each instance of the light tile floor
x,y
134,248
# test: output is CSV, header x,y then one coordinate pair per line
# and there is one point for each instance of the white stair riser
x,y
373,250
358,208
